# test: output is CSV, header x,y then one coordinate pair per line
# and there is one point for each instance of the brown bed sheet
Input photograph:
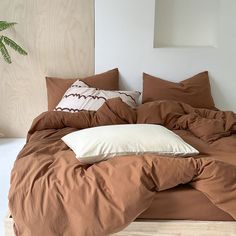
x,y
183,203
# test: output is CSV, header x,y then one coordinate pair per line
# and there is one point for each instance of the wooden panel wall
x,y
59,37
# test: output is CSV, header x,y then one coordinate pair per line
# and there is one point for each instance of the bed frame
x,y
179,228
163,228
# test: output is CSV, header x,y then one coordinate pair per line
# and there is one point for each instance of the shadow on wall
x,y
217,93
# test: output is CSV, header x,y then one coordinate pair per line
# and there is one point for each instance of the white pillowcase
x,y
82,97
100,143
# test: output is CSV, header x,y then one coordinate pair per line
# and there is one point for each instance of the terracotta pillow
x,y
195,91
56,87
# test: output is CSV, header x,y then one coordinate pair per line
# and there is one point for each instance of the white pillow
x,y
82,97
100,143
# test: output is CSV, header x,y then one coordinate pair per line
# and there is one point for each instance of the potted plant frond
x,y
5,41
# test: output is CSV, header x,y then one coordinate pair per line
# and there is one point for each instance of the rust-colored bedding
x,y
183,203
53,194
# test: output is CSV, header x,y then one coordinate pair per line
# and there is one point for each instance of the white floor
x,y
9,148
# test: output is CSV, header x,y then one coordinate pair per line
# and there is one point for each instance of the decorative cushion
x,y
100,143
56,87
81,97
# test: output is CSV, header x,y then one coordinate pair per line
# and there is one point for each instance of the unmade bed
x,y
53,192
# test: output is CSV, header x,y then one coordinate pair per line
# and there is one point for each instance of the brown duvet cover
x,y
53,194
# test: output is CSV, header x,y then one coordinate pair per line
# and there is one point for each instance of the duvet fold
x,y
53,194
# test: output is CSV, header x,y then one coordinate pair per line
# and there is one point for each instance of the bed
x,y
52,193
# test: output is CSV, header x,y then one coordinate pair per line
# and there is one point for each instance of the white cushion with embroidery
x,y
82,97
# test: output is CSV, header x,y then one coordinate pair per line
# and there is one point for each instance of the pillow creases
x,y
195,91
56,87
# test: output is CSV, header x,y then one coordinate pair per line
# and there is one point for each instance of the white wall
x,y
124,36
186,23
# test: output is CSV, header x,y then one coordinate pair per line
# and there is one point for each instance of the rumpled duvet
x,y
52,194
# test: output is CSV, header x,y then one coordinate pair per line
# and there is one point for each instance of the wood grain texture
x,y
179,228
59,37
163,228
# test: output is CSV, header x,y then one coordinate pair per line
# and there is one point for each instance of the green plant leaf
x,y
4,25
14,45
4,51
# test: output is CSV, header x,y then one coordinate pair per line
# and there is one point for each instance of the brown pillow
x,y
195,91
56,87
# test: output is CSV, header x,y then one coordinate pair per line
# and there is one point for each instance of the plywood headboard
x,y
59,37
